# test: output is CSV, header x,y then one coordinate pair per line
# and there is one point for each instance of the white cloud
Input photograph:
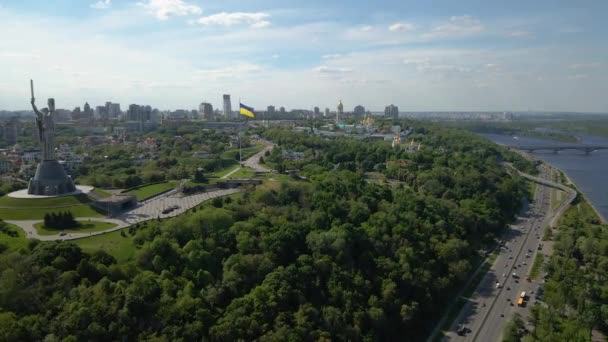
x,y
332,70
420,77
253,19
453,64
457,26
261,24
19,55
234,71
570,30
163,9
102,4
331,56
366,28
579,76
519,34
442,68
579,66
491,65
416,62
401,27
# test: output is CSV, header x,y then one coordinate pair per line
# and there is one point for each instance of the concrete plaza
x,y
145,211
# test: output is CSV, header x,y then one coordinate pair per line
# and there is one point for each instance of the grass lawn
x,y
222,173
547,233
209,204
38,213
195,183
244,172
146,192
113,243
532,189
13,243
231,154
85,227
556,198
537,265
209,181
278,177
6,201
245,152
101,193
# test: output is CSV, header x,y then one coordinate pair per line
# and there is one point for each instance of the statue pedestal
x,y
50,180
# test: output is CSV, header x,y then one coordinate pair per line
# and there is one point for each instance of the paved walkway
x,y
80,189
149,210
254,161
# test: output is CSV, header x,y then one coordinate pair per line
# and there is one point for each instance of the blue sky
x,y
420,55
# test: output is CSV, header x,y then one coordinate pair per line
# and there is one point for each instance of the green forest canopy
x,y
333,257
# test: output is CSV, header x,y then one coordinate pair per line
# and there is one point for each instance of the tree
x,y
337,256
199,176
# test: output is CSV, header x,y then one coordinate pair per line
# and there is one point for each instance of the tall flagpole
x,y
239,134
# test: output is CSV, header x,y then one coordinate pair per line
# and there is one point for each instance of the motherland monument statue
x,y
51,178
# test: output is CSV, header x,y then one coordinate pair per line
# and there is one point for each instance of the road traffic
x,y
506,288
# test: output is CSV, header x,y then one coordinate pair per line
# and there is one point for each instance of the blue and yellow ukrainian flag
x,y
247,111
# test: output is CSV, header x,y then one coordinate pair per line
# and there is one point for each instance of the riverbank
x,y
597,212
586,171
569,181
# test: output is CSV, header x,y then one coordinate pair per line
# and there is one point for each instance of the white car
x,y
497,285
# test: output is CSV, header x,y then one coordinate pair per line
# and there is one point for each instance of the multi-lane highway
x,y
494,301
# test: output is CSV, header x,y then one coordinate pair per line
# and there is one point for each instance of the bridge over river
x,y
556,148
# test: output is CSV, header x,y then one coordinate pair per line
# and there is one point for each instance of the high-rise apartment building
x,y
359,111
88,112
114,110
108,104
76,113
205,111
134,113
227,107
391,112
138,117
100,112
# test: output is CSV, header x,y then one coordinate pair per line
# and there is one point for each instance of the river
x,y
588,172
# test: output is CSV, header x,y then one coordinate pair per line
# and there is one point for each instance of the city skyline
x,y
541,56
